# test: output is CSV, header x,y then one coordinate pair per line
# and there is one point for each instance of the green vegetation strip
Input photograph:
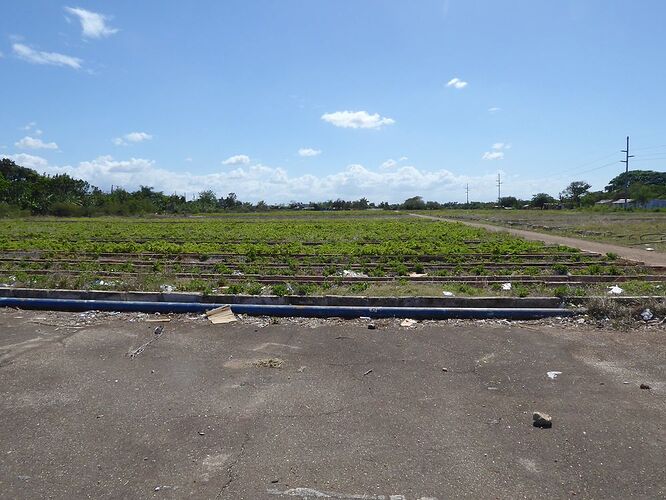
x,y
304,255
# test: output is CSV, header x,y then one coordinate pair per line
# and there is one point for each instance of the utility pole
x,y
467,192
626,172
499,190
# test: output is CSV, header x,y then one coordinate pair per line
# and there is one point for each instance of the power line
x,y
588,163
650,147
599,167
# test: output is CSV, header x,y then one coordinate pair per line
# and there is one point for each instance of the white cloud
x,y
391,163
29,161
39,57
356,119
29,126
274,184
188,159
456,83
309,152
237,160
494,155
31,143
93,24
132,137
494,109
497,151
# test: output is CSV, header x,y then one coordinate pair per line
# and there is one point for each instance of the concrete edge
x,y
288,300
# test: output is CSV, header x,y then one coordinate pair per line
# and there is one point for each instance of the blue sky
x,y
314,99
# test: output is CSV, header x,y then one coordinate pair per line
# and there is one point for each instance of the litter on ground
x,y
408,322
221,315
353,274
615,290
553,375
506,286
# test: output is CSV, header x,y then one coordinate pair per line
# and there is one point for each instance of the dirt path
x,y
649,258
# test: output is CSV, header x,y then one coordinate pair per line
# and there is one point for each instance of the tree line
x,y
23,191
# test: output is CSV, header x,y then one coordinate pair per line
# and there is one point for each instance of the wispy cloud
x,y
494,110
34,143
356,119
497,152
93,24
456,83
132,137
309,152
237,160
40,57
391,163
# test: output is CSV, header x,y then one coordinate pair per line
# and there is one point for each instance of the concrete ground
x,y
351,413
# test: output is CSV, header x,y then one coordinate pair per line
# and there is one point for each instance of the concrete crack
x,y
232,464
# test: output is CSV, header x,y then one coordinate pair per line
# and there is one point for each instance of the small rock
x,y
647,315
159,330
372,326
202,433
645,387
445,370
542,420
157,488
275,481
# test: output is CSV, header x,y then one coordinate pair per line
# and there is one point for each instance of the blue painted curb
x,y
290,310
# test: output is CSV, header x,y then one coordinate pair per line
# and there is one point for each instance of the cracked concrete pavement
x,y
445,412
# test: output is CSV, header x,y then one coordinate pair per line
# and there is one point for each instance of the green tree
x,y
414,203
539,200
575,190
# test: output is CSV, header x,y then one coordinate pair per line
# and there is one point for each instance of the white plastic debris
x,y
238,273
408,322
417,275
448,294
353,274
615,290
553,375
506,286
649,249
647,315
167,288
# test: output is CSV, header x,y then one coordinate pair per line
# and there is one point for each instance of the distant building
x,y
631,203
656,203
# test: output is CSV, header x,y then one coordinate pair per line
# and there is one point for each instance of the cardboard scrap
x,y
221,315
